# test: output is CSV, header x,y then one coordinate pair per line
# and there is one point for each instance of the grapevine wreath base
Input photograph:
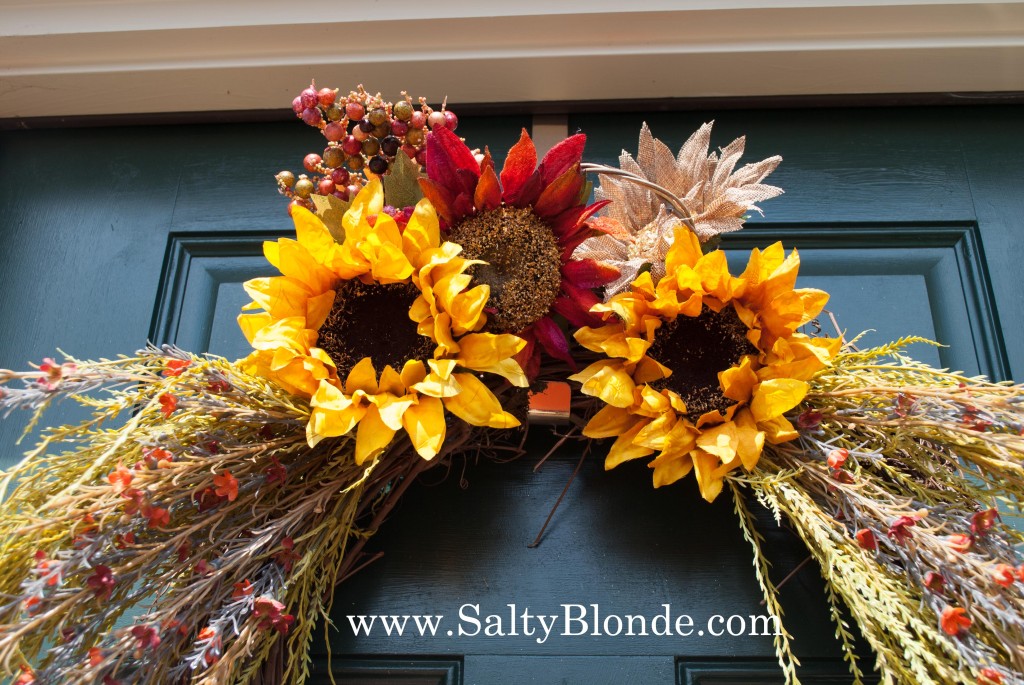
x,y
427,301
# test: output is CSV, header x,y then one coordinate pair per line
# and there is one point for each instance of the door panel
x,y
909,217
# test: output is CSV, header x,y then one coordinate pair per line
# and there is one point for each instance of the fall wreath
x,y
426,300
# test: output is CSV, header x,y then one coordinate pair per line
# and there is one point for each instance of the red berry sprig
x,y
364,133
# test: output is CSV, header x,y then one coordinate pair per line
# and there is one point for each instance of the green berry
x,y
304,187
371,146
334,157
403,110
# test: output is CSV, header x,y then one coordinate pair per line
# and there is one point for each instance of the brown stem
x,y
551,515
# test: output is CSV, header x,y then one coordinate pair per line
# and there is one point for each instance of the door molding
x,y
126,56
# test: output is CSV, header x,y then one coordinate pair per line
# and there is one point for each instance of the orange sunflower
x,y
702,367
381,331
525,224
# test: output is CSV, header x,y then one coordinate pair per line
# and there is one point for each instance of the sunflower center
x,y
697,348
523,264
373,321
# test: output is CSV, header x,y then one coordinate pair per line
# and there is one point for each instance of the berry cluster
x,y
363,132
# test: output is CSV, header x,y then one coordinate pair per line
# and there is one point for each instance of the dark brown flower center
x,y
523,264
697,348
373,321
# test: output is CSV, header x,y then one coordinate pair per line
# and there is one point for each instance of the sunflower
x,y
381,331
702,367
525,224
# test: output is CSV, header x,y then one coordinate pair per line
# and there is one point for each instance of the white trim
x,y
122,56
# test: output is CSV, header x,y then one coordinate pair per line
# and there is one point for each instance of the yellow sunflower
x,y
702,366
380,331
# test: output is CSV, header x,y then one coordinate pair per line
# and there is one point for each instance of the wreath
x,y
430,303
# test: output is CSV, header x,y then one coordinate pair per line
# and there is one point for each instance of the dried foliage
x,y
203,519
710,195
894,486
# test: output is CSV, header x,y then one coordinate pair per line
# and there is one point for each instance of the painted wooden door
x,y
910,217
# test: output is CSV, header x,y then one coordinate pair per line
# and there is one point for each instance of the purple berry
x,y
334,131
340,177
389,145
312,116
451,122
351,145
378,165
297,105
309,98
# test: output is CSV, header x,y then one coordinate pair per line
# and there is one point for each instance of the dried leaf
x,y
401,184
330,210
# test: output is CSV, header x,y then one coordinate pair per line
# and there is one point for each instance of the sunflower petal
x,y
721,441
560,193
685,250
488,192
623,449
519,166
562,156
750,441
439,197
318,309
705,466
477,405
552,338
252,323
362,377
480,350
368,202
372,436
391,408
421,233
613,385
776,396
281,296
610,421
738,381
424,422
390,382
447,155
589,273
510,370
311,232
671,467
778,430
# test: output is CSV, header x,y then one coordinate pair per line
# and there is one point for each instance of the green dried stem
x,y
255,427
928,451
783,650
63,506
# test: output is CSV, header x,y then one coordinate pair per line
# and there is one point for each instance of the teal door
x,y
910,217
